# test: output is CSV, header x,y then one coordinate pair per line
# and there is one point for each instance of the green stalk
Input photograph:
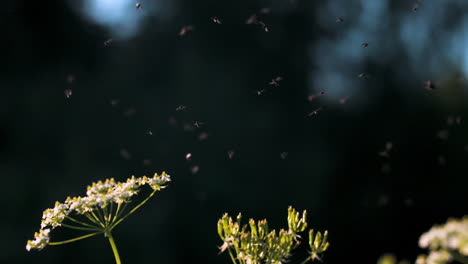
x,y
74,239
81,223
133,210
114,248
307,260
93,218
99,215
111,210
81,228
117,213
232,256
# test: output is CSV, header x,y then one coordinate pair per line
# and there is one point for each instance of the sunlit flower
x,y
41,239
445,240
102,209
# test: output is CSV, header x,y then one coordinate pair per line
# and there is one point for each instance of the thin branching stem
x,y
111,210
117,212
105,215
74,239
232,256
93,218
134,209
79,222
122,210
99,215
81,228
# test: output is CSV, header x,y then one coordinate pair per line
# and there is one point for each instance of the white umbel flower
x,y
97,206
441,240
41,239
54,216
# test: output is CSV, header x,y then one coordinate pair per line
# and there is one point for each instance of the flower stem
x,y
134,209
233,259
81,223
111,210
74,239
117,212
117,215
81,228
99,215
93,218
114,248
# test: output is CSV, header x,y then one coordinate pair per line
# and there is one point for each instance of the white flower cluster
x,y
54,216
445,240
41,239
435,257
99,195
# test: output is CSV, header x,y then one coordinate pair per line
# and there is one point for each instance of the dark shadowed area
x,y
366,126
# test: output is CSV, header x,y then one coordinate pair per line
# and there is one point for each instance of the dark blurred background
x,y
382,158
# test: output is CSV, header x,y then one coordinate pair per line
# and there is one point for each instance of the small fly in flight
x,y
315,112
108,42
216,20
185,29
276,81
